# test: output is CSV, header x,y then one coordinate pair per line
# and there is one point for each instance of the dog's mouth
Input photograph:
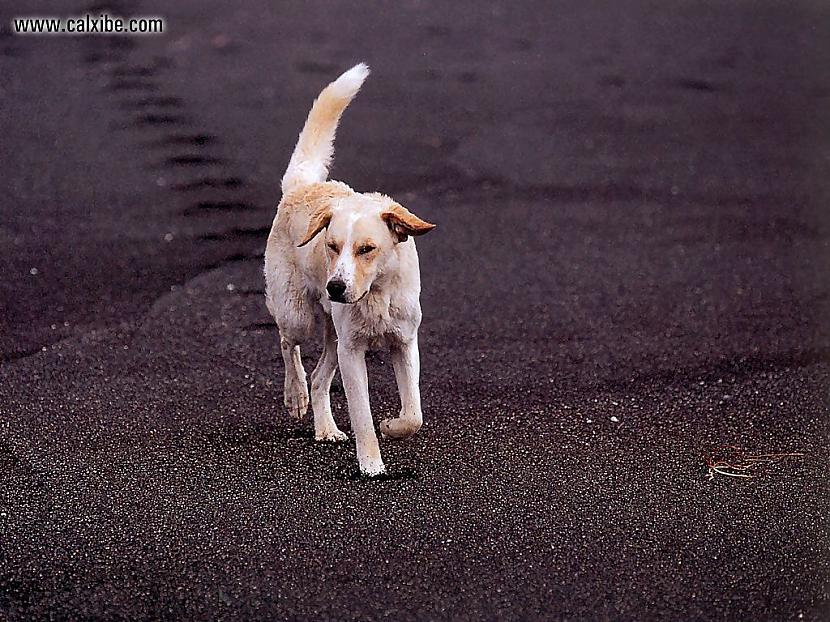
x,y
343,301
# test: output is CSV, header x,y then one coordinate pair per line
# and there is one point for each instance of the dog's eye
x,y
333,247
365,249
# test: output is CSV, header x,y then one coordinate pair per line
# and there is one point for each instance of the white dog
x,y
358,281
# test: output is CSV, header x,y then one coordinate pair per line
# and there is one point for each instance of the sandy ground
x,y
630,270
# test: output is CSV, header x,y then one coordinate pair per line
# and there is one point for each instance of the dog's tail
x,y
312,156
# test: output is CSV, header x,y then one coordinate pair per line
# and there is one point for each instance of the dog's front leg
x,y
352,359
325,429
406,362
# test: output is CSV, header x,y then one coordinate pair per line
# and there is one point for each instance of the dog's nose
x,y
335,288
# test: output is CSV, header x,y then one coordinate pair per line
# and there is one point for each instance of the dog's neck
x,y
389,313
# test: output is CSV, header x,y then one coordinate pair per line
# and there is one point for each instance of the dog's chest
x,y
381,322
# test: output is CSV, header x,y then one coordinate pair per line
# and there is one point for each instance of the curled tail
x,y
312,156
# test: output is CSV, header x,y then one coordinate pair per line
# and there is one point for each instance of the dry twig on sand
x,y
735,462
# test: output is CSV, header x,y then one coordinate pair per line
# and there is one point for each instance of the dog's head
x,y
362,232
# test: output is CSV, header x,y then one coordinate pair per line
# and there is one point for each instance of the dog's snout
x,y
336,288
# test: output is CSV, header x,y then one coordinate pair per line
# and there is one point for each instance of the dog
x,y
343,263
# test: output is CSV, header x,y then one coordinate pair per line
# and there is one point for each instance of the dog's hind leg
x,y
405,360
325,429
295,395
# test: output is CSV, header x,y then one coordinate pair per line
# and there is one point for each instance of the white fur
x,y
344,268
348,84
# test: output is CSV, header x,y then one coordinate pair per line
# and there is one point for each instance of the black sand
x,y
630,269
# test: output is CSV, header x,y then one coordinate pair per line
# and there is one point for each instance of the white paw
x,y
400,427
372,467
296,401
330,436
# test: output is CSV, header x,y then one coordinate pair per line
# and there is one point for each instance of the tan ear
x,y
402,222
320,219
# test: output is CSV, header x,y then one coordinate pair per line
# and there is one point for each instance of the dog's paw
x,y
372,467
400,427
330,436
296,401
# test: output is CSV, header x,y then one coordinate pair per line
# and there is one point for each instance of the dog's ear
x,y
403,223
320,219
